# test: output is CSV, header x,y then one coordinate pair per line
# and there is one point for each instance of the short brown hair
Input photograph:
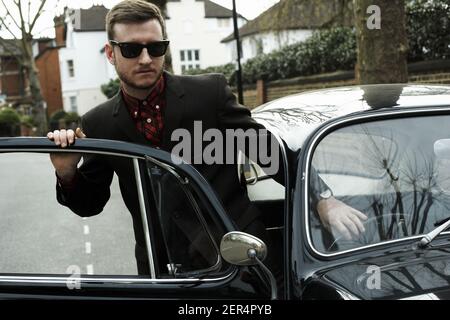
x,y
133,11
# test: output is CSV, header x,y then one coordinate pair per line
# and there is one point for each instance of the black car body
x,y
382,149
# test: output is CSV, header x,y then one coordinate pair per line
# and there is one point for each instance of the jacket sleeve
x,y
232,115
88,196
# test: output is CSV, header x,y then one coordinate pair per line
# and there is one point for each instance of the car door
x,y
47,251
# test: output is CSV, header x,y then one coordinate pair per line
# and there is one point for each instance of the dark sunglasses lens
x,y
157,49
131,50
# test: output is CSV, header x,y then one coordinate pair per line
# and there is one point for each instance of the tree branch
x,y
22,21
8,13
29,10
3,23
38,14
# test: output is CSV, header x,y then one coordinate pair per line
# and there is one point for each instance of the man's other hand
x,y
341,219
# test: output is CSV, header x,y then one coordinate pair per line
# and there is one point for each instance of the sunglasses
x,y
132,50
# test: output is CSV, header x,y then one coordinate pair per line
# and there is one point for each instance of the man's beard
x,y
131,83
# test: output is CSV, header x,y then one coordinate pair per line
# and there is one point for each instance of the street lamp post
x,y
238,47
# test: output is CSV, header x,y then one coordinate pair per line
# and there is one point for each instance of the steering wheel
x,y
377,229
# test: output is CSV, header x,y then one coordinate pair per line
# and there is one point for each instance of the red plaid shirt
x,y
147,114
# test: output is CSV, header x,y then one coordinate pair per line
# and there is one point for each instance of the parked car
x,y
382,149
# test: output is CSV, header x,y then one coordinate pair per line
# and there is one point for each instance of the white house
x,y
84,67
195,29
288,22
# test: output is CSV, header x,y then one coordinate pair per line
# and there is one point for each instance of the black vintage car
x,y
383,150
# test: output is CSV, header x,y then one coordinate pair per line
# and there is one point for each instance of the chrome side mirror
x,y
239,248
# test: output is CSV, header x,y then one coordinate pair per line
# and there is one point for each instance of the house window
x,y
190,59
70,69
223,23
73,104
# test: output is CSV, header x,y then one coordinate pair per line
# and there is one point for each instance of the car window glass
x,y
388,171
40,236
188,237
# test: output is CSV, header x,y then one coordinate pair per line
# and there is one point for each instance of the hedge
x,y
111,88
9,122
61,119
428,27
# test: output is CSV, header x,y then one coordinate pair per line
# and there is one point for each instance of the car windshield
x,y
387,170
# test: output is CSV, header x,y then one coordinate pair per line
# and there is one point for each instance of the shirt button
x,y
157,107
144,103
135,114
149,120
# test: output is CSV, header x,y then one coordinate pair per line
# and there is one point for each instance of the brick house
x,y
13,78
47,62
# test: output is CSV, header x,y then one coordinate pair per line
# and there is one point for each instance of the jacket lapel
x,y
173,113
175,108
124,121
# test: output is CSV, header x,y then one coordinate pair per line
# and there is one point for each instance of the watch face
x,y
326,194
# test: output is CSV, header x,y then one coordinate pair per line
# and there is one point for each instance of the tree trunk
x,y
382,49
35,86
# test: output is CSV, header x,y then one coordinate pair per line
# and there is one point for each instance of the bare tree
x,y
19,22
382,41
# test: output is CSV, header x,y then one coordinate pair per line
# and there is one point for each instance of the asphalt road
x,y
39,236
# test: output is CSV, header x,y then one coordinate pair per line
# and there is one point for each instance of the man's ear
x,y
109,51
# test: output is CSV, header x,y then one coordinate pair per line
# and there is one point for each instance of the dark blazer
x,y
205,98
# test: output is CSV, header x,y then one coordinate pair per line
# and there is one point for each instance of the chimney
x,y
60,30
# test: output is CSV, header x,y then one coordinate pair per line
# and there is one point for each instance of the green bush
x,y
9,116
71,117
428,27
226,69
9,122
27,121
111,88
55,119
325,51
72,120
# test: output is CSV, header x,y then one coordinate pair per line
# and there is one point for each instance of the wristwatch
x,y
327,194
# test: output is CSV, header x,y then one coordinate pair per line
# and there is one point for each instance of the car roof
x,y
296,116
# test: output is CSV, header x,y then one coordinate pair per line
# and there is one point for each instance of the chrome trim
x,y
169,169
144,217
287,201
347,296
100,280
319,135
71,150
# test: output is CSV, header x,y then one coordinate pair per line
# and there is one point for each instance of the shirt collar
x,y
155,93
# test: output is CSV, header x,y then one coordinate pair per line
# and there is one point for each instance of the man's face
x,y
140,73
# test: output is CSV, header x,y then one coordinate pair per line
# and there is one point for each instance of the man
x,y
151,104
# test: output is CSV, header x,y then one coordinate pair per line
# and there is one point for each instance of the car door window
x,y
189,238
387,170
40,236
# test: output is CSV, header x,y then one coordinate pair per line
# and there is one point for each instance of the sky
x,y
44,28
